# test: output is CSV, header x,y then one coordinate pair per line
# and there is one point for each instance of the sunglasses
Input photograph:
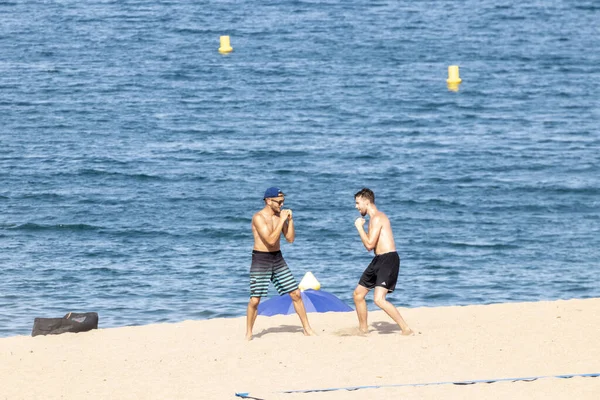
x,y
280,202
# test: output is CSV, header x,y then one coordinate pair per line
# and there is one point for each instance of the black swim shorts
x,y
382,271
270,267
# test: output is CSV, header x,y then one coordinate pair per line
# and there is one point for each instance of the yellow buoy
x,y
309,282
453,87
225,45
453,75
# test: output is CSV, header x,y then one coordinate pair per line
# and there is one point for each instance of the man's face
x,y
276,203
361,204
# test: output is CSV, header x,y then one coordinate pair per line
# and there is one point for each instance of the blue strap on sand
x,y
245,395
525,379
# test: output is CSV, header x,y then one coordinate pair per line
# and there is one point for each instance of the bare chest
x,y
272,222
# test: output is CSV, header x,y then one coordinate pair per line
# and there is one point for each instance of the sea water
x,y
133,154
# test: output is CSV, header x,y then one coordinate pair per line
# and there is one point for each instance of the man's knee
x,y
379,301
254,301
359,294
295,295
379,297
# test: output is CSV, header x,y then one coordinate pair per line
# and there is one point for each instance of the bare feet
x,y
407,332
363,331
248,336
309,332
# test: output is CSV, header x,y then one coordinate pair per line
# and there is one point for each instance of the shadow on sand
x,y
385,328
380,328
280,329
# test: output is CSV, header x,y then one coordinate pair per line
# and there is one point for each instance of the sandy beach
x,y
211,360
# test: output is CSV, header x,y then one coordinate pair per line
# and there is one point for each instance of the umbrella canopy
x,y
314,301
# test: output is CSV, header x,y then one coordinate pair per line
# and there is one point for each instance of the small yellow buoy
x,y
225,45
453,75
453,87
309,282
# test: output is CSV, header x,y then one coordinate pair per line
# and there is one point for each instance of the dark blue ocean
x,y
133,154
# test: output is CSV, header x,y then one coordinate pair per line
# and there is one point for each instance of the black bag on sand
x,y
72,322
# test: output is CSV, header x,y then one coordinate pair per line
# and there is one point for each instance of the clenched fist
x,y
359,222
286,214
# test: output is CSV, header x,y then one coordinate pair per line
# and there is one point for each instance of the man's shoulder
x,y
259,217
380,217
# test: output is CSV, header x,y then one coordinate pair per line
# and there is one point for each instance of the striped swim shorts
x,y
270,267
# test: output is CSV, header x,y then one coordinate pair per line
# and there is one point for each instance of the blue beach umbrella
x,y
314,301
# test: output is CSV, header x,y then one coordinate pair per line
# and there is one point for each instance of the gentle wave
x,y
58,227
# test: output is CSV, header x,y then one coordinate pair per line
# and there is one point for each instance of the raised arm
x,y
289,232
370,239
270,238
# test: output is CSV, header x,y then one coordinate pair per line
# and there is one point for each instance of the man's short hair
x,y
366,194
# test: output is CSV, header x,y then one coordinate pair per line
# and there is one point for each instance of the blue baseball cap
x,y
273,192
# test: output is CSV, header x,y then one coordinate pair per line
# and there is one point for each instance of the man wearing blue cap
x,y
268,264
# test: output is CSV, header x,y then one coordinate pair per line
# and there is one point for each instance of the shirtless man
x,y
382,272
268,264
